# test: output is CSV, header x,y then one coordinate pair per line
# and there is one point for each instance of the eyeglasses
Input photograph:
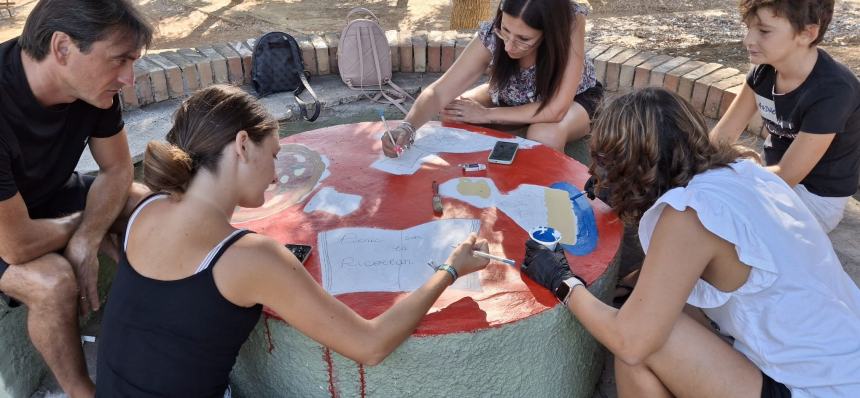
x,y
519,44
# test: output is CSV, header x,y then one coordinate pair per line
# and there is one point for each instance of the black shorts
x,y
72,197
590,100
771,388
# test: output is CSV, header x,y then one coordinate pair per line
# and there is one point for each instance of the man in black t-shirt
x,y
809,103
59,85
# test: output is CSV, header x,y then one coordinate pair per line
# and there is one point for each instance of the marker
x,y
577,195
397,148
468,167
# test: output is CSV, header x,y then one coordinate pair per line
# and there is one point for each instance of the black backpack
x,y
277,66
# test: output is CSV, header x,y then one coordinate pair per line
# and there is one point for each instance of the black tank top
x,y
170,338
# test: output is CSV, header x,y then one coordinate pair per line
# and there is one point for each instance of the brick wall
x,y
711,87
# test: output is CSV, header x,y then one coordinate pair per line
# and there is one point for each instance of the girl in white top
x,y
728,237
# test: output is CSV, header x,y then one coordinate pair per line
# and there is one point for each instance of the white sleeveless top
x,y
797,317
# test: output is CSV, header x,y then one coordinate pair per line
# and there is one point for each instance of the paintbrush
x,y
437,200
491,257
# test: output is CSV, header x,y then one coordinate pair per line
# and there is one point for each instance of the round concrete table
x,y
510,339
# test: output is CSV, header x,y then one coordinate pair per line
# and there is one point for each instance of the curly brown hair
x,y
650,141
799,13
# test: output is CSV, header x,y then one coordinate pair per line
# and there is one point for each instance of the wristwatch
x,y
562,293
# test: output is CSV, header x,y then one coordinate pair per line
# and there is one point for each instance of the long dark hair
x,y
555,19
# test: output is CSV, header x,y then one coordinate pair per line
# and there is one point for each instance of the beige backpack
x,y
364,59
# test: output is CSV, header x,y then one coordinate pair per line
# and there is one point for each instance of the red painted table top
x,y
400,202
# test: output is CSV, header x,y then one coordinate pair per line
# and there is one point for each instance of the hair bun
x,y
166,167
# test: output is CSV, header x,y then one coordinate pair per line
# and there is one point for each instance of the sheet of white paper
x,y
438,139
408,163
430,140
526,204
382,260
331,201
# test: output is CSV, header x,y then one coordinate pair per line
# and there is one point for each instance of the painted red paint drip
x,y
268,333
328,361
361,380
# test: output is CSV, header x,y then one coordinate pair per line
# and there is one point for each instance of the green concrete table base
x,y
546,355
21,366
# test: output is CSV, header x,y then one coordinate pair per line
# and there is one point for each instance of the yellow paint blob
x,y
560,215
469,187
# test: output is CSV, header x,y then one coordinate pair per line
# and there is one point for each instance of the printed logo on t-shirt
x,y
767,109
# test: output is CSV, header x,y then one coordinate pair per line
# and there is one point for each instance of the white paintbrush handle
x,y
492,257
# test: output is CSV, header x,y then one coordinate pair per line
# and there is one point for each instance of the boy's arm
x,y
737,117
802,155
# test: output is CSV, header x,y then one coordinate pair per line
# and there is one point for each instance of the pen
x,y
397,148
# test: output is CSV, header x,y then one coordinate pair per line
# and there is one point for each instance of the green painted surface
x,y
21,366
345,114
546,355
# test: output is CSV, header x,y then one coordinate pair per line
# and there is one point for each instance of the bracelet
x,y
410,129
408,126
450,270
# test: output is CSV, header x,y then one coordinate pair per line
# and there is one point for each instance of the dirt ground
x,y
707,30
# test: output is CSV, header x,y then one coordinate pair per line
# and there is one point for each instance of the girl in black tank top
x,y
176,330
170,335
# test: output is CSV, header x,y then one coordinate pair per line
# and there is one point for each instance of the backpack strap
x,y
401,92
398,90
303,76
302,104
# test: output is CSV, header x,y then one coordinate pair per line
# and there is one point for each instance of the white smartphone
x,y
503,152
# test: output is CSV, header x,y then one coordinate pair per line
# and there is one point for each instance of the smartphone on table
x,y
300,251
503,152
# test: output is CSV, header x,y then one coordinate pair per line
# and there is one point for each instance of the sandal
x,y
620,299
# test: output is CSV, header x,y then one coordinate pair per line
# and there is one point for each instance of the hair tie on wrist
x,y
450,270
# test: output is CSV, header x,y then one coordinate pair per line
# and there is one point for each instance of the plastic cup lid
x,y
545,234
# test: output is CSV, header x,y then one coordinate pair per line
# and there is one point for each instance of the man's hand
x,y
466,110
82,253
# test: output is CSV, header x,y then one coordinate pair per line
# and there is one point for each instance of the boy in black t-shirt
x,y
59,85
809,103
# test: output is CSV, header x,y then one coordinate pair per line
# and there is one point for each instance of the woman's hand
x,y
402,139
462,259
465,110
546,267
